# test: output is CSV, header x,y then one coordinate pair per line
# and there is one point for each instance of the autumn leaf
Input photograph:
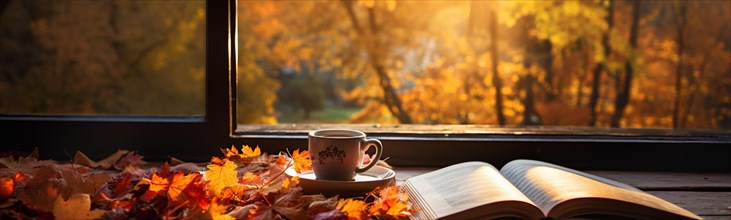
x,y
295,180
247,152
129,159
123,185
108,162
76,207
179,183
8,162
20,177
330,215
221,175
43,188
354,209
217,210
141,190
390,202
281,160
236,191
302,161
252,179
165,170
324,205
232,152
196,192
7,185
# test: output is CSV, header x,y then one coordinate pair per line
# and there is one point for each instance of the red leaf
x,y
129,159
123,184
165,170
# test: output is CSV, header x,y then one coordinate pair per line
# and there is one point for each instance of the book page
x,y
561,191
464,186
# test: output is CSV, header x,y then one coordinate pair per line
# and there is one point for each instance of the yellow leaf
x,y
216,210
247,152
354,209
302,161
221,176
76,207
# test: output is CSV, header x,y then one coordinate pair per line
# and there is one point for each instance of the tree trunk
x,y
390,99
496,81
546,62
623,96
601,66
530,115
680,21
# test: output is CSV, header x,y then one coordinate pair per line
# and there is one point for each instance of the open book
x,y
530,189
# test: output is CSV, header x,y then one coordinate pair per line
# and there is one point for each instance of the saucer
x,y
364,182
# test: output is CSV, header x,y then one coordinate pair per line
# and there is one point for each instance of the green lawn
x,y
333,115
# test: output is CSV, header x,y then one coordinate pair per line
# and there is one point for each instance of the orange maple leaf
x,y
390,202
196,192
282,160
7,185
251,179
20,177
247,152
179,183
290,182
221,176
354,209
233,152
302,161
158,183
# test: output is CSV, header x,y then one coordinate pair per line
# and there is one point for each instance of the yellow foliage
x,y
221,173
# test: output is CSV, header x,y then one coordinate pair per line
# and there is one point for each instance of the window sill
x,y
579,147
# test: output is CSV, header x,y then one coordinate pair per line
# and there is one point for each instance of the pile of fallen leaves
x,y
244,184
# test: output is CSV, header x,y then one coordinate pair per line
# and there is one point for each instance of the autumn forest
x,y
631,64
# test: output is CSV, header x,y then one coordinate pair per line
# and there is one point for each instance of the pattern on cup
x,y
333,153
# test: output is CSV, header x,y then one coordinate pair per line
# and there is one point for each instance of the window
x,y
550,63
103,57
247,81
158,103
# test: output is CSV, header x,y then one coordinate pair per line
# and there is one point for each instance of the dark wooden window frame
x,y
198,138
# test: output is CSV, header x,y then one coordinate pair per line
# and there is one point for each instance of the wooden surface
x,y
705,194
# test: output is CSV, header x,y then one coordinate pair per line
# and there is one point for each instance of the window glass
x,y
86,57
597,63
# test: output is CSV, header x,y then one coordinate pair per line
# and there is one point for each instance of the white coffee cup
x,y
337,154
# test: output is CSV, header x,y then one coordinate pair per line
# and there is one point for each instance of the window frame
x,y
61,135
199,137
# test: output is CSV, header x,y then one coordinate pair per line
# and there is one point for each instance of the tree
x,y
304,92
390,97
681,20
601,66
623,96
496,81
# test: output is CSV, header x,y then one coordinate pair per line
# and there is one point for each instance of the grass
x,y
332,115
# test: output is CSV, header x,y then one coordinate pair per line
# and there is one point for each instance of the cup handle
x,y
379,148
